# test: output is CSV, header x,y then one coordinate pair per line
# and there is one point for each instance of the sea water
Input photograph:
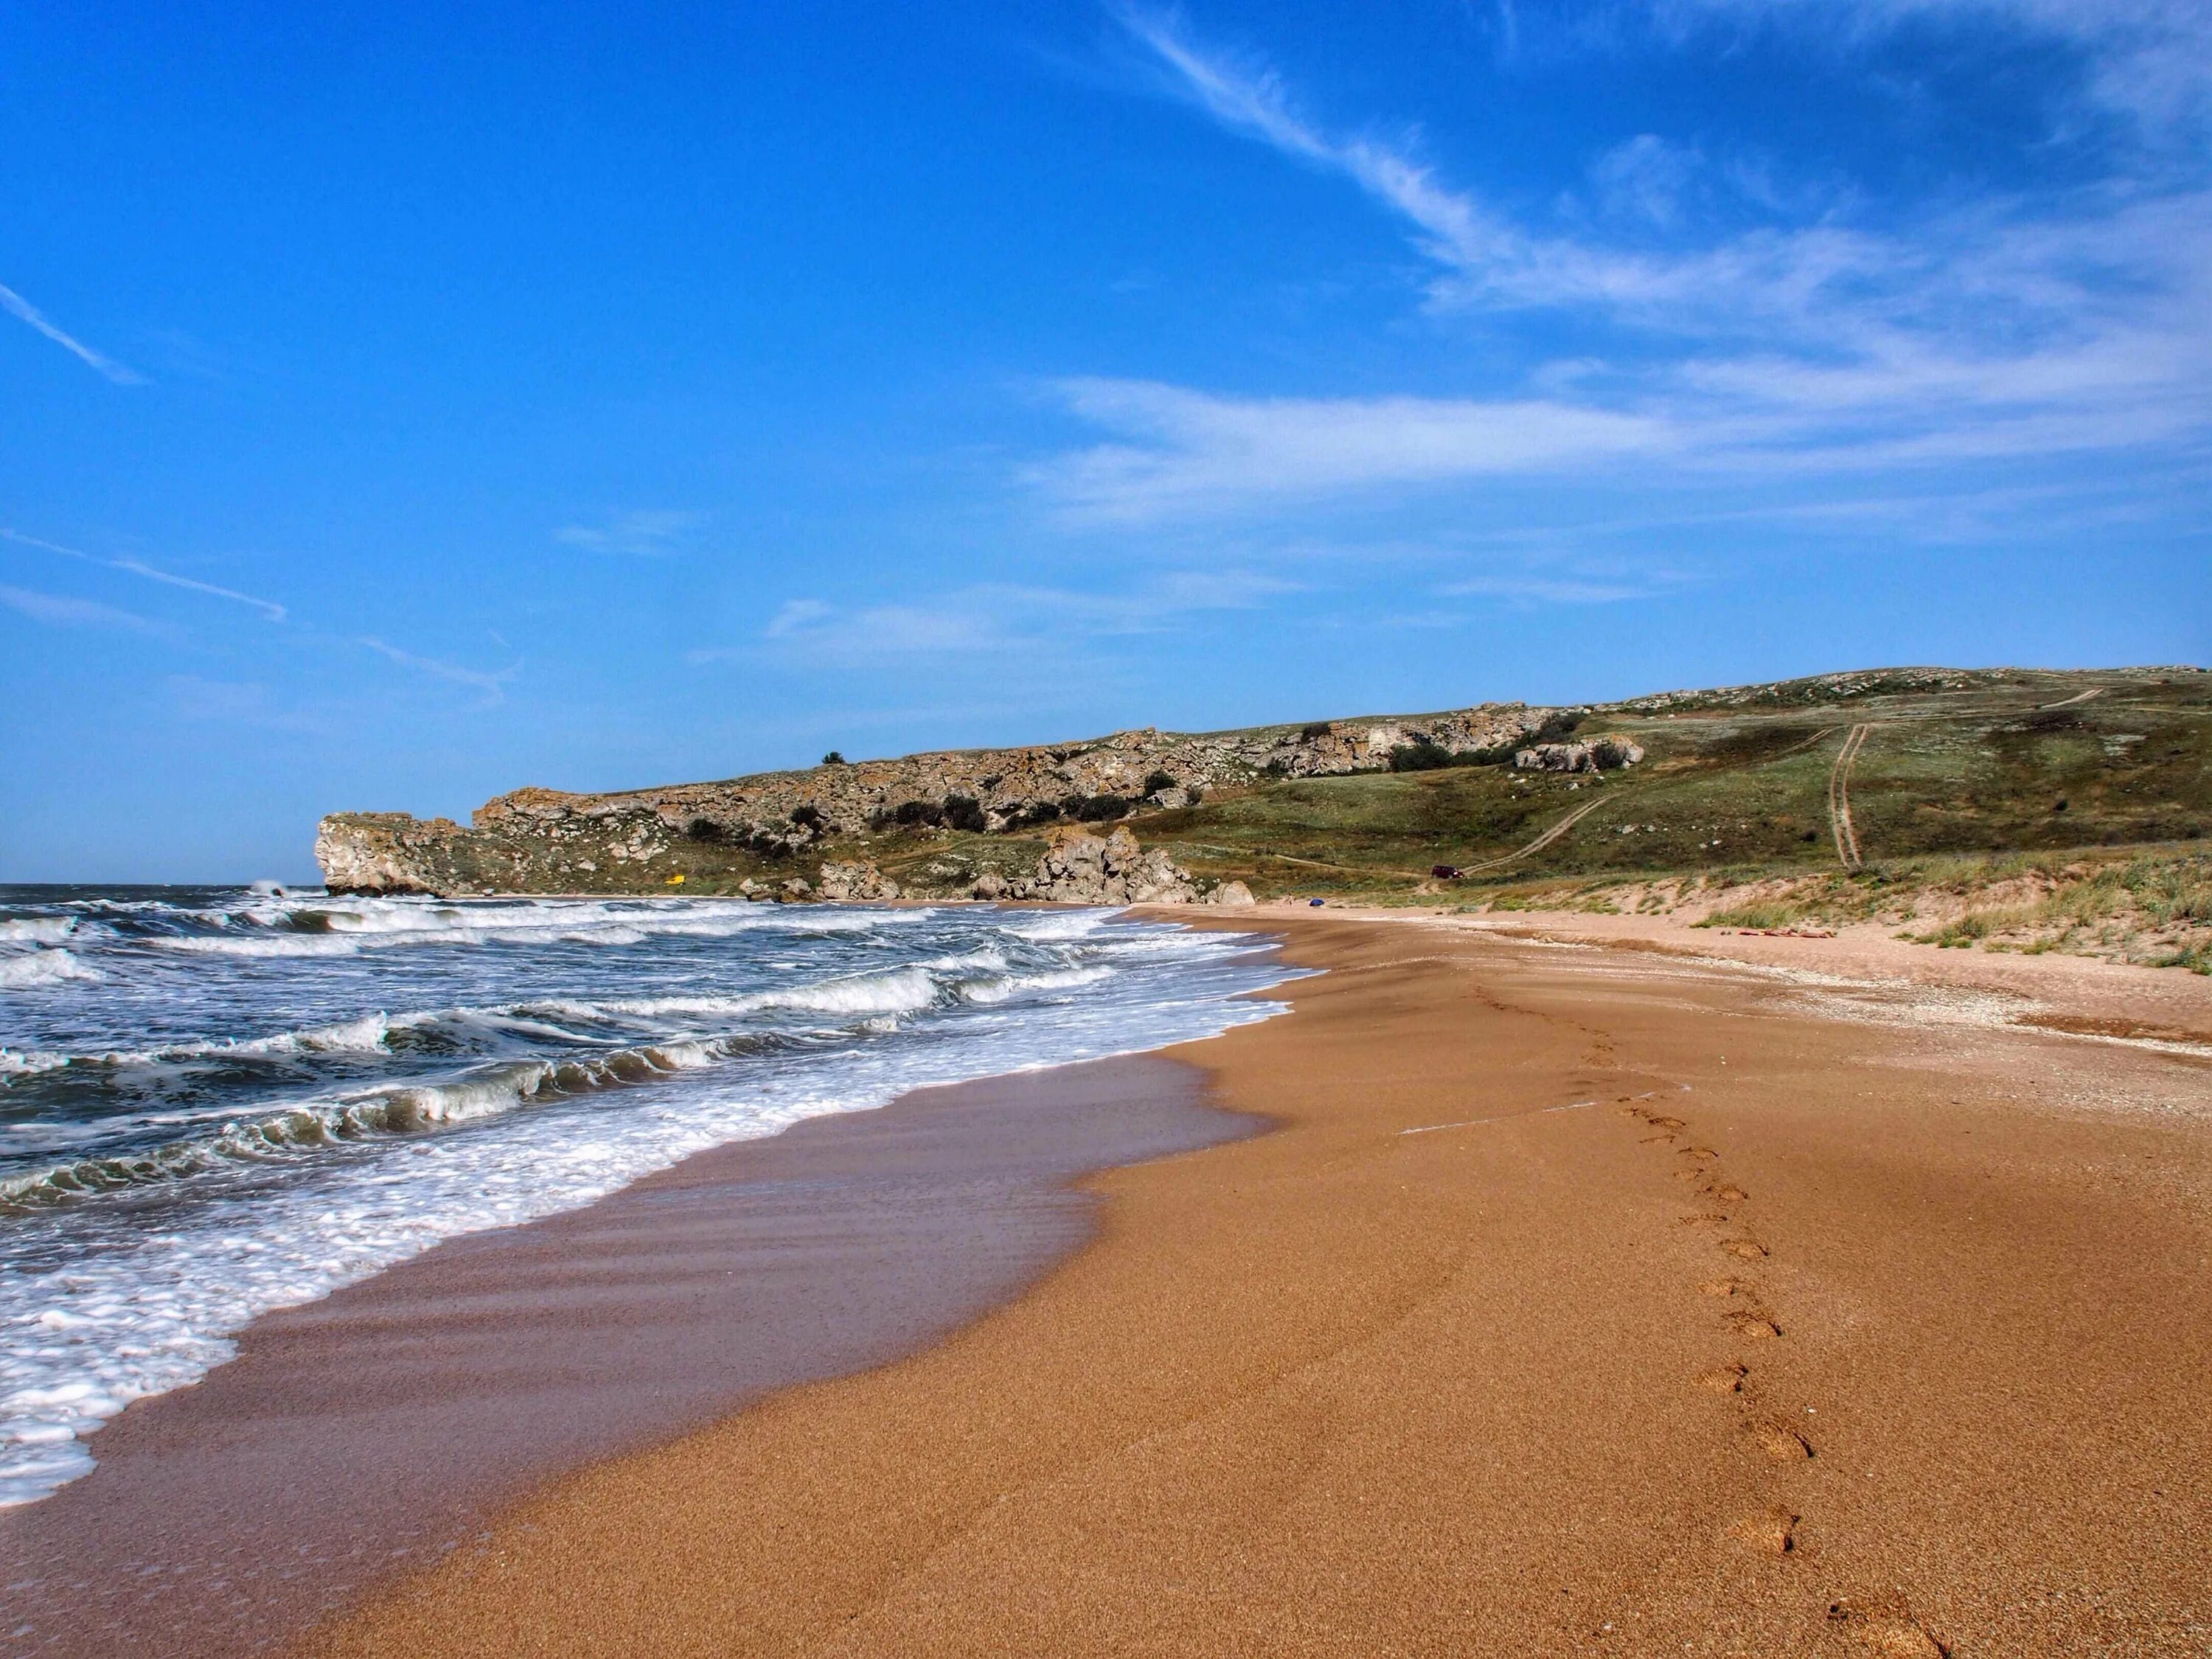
x,y
215,1102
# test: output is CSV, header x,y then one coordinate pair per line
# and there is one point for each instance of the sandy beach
x,y
1582,1300
375,1431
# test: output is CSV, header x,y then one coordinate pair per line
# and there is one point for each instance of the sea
x,y
218,1101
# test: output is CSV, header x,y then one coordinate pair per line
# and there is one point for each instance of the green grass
x,y
1987,818
1741,787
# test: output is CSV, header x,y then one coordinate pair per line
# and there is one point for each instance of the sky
x,y
402,404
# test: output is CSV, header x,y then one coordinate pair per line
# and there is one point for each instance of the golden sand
x,y
1581,1302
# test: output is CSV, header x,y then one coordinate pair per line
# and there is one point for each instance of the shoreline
x,y
370,1433
1717,1314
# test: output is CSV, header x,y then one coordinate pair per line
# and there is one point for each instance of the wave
x,y
463,1028
36,930
324,932
1000,987
410,1108
18,1062
897,991
45,968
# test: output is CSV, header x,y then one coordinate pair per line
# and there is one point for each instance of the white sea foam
x,y
42,968
518,1106
36,930
1000,987
15,1063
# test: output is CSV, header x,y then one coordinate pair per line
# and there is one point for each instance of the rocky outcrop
x,y
547,841
1603,755
779,813
1081,868
388,853
856,879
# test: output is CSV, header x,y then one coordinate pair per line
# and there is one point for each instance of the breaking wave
x,y
235,1100
46,968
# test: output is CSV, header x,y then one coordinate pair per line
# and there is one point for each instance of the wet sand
x,y
358,1437
1584,1301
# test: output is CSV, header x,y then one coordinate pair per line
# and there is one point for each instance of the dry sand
x,y
1709,1311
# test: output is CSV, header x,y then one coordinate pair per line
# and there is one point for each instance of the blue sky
x,y
398,405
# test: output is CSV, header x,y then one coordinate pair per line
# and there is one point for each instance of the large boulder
x,y
858,879
1602,756
1080,868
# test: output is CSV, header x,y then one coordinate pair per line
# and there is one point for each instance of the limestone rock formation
x,y
856,879
387,853
548,841
1082,868
1602,756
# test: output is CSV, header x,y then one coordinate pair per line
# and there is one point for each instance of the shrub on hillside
x,y
1097,809
1155,782
966,812
1423,755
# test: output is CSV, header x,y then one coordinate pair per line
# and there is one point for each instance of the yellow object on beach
x,y
676,881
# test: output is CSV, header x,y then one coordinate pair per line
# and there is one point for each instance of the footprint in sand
x,y
1725,1287
1727,1192
1771,1532
1892,1634
1745,1249
1757,1327
1779,1440
1725,1379
1708,1219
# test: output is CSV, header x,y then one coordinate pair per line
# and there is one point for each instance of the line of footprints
x,y
1890,1631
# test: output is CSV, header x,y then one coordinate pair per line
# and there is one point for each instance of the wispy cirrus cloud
x,y
1180,451
2150,60
139,568
1001,617
62,610
641,532
493,686
100,363
2068,322
1551,590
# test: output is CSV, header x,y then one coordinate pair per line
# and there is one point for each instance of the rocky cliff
x,y
765,832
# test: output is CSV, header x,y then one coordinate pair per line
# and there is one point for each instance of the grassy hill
x,y
1936,798
1740,780
2031,811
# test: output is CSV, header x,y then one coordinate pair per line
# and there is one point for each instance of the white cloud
x,y
1001,617
15,303
58,611
795,616
2070,323
1549,590
1645,178
1183,451
268,608
2149,59
493,686
645,533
